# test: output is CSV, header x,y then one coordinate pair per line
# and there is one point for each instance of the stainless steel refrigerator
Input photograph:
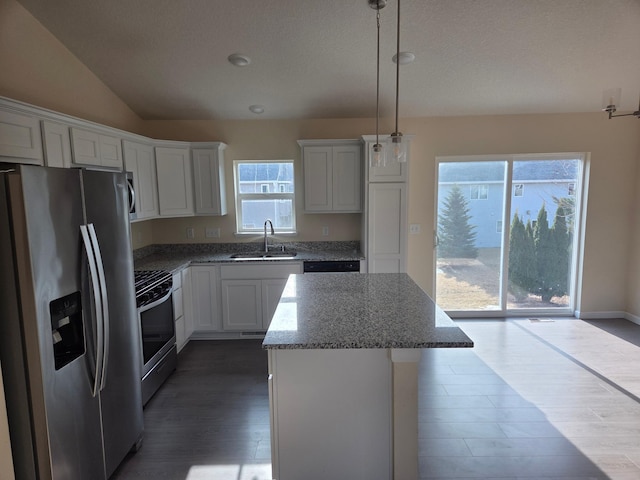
x,y
69,334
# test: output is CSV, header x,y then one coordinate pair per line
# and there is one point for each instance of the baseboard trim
x,y
606,315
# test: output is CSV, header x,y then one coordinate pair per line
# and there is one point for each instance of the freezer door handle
x,y
105,305
97,303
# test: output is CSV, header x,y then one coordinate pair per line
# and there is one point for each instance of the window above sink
x,y
264,189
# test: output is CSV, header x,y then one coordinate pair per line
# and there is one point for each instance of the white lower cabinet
x,y
205,292
178,311
242,305
251,292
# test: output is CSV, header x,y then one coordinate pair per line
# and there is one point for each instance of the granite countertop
x,y
175,257
380,310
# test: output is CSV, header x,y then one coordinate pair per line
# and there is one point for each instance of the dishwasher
x,y
331,266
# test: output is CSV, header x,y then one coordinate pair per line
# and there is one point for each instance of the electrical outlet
x,y
414,228
212,232
191,234
325,231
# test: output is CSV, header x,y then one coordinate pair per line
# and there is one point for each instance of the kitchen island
x,y
343,375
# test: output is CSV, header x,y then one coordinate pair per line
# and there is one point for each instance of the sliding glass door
x,y
506,234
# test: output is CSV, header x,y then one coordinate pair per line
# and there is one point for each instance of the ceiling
x,y
167,59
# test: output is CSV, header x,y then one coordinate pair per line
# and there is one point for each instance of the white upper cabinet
x,y
57,144
332,175
95,149
175,181
208,179
139,159
20,138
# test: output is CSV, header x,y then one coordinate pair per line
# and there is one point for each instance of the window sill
x,y
261,234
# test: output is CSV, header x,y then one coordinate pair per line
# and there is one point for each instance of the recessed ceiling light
x,y
257,109
405,58
239,60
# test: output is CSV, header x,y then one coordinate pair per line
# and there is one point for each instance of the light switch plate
x,y
191,234
325,231
414,228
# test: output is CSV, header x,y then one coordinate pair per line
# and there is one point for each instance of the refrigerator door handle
x,y
105,304
97,304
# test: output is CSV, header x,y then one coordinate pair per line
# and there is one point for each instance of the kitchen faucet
x,y
266,245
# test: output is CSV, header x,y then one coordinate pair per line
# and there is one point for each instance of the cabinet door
x,y
110,152
204,299
271,292
20,137
208,177
57,144
175,184
346,179
86,147
387,233
140,160
242,305
318,190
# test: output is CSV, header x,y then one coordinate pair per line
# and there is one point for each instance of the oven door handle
x,y
144,308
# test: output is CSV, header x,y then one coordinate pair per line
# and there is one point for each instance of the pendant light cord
x,y
378,77
398,67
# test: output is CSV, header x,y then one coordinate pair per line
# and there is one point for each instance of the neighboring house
x,y
535,183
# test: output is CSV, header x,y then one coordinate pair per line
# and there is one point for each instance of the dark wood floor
x,y
532,400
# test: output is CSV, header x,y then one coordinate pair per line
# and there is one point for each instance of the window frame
x,y
278,195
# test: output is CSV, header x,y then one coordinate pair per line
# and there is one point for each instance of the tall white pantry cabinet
x,y
384,224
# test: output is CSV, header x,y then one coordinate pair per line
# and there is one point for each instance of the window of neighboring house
x,y
479,192
571,189
499,226
518,189
255,204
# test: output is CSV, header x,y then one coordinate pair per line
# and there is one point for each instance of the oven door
x,y
158,330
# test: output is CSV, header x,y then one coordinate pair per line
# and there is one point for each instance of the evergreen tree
x,y
544,255
456,235
517,241
559,274
522,265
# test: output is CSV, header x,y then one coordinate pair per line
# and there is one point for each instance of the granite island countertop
x,y
343,311
175,257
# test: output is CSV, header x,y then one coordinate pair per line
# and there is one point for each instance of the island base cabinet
x,y
331,414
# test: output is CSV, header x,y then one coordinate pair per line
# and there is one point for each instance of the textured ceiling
x,y
167,59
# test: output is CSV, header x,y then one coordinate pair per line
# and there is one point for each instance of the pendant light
x,y
377,156
397,145
610,101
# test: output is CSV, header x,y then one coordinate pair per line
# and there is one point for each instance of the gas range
x,y
151,285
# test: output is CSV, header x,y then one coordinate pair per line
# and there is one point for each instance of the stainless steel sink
x,y
263,255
